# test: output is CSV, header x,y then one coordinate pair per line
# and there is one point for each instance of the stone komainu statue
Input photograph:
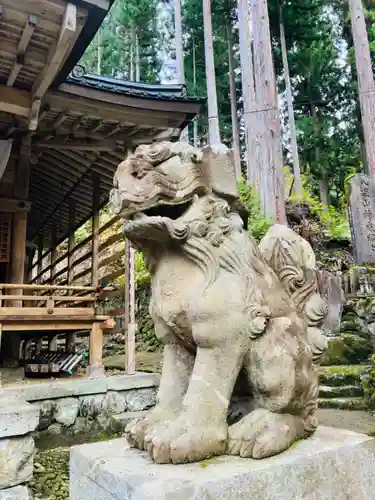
x,y
224,308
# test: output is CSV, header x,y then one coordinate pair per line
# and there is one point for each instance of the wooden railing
x,y
64,270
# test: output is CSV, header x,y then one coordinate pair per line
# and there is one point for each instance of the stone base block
x,y
16,461
333,464
16,493
16,416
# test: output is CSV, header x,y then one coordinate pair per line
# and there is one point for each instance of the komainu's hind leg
x,y
285,388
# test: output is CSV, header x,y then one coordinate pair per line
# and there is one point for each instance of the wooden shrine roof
x,y
76,124
87,126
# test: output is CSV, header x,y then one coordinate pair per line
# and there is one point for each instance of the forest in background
x,y
138,41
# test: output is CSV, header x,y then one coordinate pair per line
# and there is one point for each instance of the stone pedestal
x,y
333,464
17,420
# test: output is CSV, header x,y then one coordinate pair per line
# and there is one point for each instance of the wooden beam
x,y
15,101
80,144
11,205
22,46
53,252
71,242
67,34
34,114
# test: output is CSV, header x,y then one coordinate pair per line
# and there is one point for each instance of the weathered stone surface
x,y
82,425
362,218
67,411
55,429
16,416
115,402
140,399
47,413
246,304
121,420
333,464
15,493
91,406
136,381
16,461
331,290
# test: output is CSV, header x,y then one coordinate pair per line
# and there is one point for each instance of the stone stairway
x,y
340,387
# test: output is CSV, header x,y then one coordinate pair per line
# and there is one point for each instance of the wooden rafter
x,y
21,49
80,145
67,33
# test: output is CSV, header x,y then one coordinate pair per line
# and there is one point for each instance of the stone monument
x,y
362,218
236,320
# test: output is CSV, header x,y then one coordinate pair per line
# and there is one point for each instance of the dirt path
x,y
356,421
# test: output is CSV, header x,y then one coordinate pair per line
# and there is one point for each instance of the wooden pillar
x,y
95,230
130,324
95,368
52,280
40,258
71,337
18,245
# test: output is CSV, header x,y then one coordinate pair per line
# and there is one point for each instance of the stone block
x,y
17,417
120,421
140,399
67,411
16,493
16,461
136,381
332,464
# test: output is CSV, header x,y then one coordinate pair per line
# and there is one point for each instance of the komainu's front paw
x,y
262,434
136,430
183,442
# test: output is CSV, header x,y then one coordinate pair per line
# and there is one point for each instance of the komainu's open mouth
x,y
173,212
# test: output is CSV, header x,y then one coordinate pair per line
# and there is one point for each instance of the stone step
x,y
343,391
342,403
341,375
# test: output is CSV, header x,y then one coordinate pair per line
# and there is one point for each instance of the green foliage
x,y
368,383
258,225
142,276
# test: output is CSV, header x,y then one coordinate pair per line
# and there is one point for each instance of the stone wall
x,y
63,407
18,420
76,406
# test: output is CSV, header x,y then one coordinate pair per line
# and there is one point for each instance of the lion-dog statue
x,y
222,306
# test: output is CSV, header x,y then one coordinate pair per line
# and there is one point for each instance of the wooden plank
x,y
12,205
95,230
53,252
74,288
15,101
46,326
23,312
112,258
112,276
129,313
45,298
67,34
114,238
22,46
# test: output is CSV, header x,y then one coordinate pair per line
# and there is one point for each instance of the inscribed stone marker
x,y
362,218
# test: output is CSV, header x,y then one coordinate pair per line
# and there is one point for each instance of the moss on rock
x,y
341,375
347,349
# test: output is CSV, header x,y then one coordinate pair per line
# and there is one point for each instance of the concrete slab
x,y
16,493
332,464
80,387
17,417
16,461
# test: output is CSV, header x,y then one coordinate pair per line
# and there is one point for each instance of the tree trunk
x,y
233,106
289,98
99,62
323,181
195,123
366,88
253,158
213,112
132,56
137,59
267,100
324,190
180,56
